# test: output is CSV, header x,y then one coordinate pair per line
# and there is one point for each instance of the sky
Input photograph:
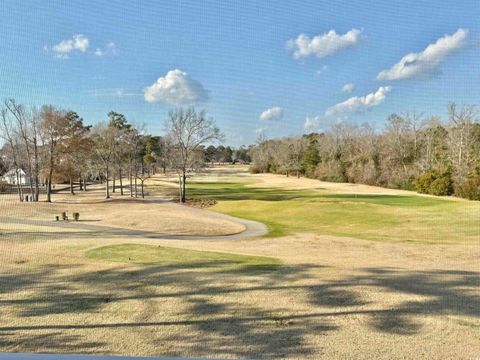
x,y
276,68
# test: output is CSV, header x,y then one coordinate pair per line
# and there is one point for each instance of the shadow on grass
x,y
230,191
236,191
53,341
215,310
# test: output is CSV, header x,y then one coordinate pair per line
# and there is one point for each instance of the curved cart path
x,y
252,228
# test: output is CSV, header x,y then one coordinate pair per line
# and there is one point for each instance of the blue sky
x,y
242,59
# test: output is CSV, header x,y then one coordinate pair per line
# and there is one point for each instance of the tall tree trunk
x,y
143,194
136,188
49,185
121,181
114,182
107,189
131,185
184,181
19,185
37,170
84,183
71,186
180,192
49,190
50,172
135,176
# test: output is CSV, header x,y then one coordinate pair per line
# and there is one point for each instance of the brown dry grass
x,y
333,298
122,211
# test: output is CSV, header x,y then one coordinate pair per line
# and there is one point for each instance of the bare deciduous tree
x,y
27,130
188,130
8,135
105,138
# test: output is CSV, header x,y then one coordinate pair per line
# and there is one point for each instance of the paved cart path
x,y
87,229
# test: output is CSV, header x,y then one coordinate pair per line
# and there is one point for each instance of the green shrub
x,y
441,186
422,185
469,189
435,183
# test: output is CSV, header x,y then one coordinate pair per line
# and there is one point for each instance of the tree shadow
x,y
55,341
446,292
217,310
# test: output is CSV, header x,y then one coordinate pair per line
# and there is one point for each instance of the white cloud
x,y
425,63
176,88
274,113
359,104
312,123
322,45
348,88
76,43
109,49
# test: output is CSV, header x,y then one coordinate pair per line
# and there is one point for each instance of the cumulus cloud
x,y
360,104
322,45
312,123
274,113
348,88
425,63
176,88
77,43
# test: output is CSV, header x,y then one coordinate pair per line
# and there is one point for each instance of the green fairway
x,y
376,217
184,259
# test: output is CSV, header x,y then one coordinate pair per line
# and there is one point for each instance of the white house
x,y
11,177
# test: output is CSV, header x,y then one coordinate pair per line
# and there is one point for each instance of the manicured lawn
x,y
183,258
376,217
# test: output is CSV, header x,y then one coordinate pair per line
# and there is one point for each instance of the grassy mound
x,y
183,258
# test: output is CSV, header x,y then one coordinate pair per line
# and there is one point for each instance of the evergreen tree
x,y
311,158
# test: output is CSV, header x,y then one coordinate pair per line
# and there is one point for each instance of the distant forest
x,y
412,152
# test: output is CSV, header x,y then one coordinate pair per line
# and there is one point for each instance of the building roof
x,y
12,172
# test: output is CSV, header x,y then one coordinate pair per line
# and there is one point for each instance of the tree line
x,y
54,146
412,152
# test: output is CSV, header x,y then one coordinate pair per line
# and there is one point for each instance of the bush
x,y
441,186
422,185
469,189
434,183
